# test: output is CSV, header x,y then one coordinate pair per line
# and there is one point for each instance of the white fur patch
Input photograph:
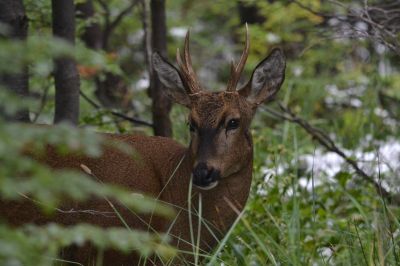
x,y
209,187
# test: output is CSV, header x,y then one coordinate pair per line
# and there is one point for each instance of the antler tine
x,y
186,53
185,65
178,58
237,70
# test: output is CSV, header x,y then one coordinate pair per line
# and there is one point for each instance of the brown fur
x,y
213,143
151,174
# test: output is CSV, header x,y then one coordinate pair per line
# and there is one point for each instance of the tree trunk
x,y
161,105
66,74
12,14
112,90
250,13
93,35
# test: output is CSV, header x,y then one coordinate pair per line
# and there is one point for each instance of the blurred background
x,y
327,151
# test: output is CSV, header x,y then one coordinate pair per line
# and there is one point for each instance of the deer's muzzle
x,y
205,177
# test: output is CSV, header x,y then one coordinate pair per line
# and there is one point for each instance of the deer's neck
x,y
220,205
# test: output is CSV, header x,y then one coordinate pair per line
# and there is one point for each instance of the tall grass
x,y
334,223
340,222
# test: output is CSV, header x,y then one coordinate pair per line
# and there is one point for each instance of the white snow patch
x,y
179,32
384,161
272,37
142,84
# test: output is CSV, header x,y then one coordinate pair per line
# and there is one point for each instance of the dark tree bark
x,y
110,25
66,74
12,14
161,105
250,13
111,91
93,34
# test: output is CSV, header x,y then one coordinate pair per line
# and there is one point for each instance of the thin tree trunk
x,y
93,34
66,74
12,14
250,13
161,105
111,90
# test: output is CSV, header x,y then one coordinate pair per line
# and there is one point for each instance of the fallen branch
x,y
114,113
330,145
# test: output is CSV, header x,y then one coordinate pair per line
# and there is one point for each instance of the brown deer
x,y
216,168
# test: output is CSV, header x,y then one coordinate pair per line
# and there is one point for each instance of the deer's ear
x,y
266,79
171,79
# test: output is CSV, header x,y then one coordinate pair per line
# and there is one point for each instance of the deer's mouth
x,y
205,177
207,187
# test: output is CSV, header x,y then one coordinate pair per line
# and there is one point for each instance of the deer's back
x,y
142,171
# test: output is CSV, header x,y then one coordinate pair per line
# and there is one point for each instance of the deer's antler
x,y
186,68
236,70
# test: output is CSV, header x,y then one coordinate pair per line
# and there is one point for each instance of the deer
x,y
211,177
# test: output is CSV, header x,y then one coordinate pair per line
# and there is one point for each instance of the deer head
x,y
221,144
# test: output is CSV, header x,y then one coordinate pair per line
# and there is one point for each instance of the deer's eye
x,y
232,124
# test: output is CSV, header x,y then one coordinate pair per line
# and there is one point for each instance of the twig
x,y
114,113
381,20
70,211
98,107
330,145
43,102
91,212
106,10
122,14
110,25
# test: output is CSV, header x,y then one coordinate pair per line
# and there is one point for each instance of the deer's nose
x,y
205,177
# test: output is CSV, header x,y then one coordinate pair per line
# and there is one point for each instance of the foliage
x,y
301,211
22,177
34,245
334,83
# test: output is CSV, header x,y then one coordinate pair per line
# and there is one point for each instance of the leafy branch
x,y
136,121
382,21
109,24
48,239
322,138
